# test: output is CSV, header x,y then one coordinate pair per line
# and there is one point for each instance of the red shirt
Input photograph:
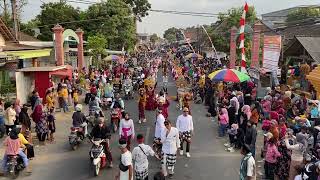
x,y
93,90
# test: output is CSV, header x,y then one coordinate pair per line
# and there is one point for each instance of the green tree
x,y
115,23
97,45
56,12
221,37
303,13
173,34
154,38
28,27
139,8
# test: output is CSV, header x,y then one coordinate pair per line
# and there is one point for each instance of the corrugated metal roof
x,y
41,69
311,44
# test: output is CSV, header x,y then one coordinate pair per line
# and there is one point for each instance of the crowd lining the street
x,y
290,122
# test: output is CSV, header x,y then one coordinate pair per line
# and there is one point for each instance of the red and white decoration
x,y
242,38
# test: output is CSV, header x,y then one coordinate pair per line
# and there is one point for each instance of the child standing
x,y
223,121
51,124
75,97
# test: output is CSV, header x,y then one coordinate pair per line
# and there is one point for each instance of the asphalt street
x,y
209,160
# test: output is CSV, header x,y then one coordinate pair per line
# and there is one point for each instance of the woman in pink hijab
x,y
223,121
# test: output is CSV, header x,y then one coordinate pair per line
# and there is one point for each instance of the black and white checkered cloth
x,y
184,136
141,175
171,159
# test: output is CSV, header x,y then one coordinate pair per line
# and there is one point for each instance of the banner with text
x,y
271,52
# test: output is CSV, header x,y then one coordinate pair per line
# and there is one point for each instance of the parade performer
x,y
150,104
170,144
185,126
186,100
142,105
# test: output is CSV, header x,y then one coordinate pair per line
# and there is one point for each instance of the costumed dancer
x,y
150,104
142,105
186,101
163,104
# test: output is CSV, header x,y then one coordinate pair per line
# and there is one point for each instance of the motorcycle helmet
x,y
14,134
78,108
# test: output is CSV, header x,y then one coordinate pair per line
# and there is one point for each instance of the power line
x,y
200,14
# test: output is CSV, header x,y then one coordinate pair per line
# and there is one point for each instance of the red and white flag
x,y
242,38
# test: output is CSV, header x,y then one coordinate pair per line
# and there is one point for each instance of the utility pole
x,y
14,17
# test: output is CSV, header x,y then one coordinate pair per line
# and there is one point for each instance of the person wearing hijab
x,y
246,115
298,150
24,119
232,111
255,114
38,111
17,108
223,121
274,129
266,105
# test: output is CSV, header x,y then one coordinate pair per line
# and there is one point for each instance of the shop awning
x,y
27,54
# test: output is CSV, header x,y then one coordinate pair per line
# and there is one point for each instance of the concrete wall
x,y
24,85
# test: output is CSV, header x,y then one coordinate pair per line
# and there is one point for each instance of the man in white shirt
x,y
125,167
170,144
185,126
247,165
140,157
159,125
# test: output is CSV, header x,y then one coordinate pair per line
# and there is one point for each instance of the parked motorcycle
x,y
97,155
115,119
76,137
14,166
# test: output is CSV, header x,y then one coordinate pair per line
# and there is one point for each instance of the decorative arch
x,y
70,33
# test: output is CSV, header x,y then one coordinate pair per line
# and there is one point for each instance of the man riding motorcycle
x,y
108,90
94,105
101,131
117,102
79,119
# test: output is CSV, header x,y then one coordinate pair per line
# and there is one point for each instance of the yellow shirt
x,y
49,101
22,140
64,93
220,87
75,97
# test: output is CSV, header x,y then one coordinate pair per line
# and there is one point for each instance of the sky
x,y
159,22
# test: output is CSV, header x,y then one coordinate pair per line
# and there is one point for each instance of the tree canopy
x,y
56,12
115,23
154,38
112,19
173,34
139,8
221,37
303,13
97,44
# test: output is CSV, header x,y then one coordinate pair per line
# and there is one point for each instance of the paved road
x,y
208,159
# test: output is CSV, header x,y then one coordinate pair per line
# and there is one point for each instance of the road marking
x,y
147,134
